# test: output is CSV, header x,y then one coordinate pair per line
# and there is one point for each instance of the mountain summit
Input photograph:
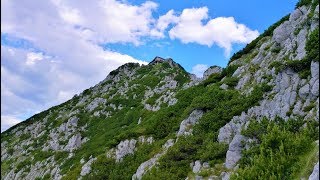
x,y
257,118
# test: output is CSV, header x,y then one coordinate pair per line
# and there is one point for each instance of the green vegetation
x,y
24,164
303,3
312,46
281,150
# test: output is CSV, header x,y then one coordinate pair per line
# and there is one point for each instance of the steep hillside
x,y
258,118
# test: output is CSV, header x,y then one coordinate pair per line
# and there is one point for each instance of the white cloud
x,y
222,31
163,22
8,121
33,57
199,69
65,58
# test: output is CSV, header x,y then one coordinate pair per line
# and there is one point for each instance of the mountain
x,y
258,118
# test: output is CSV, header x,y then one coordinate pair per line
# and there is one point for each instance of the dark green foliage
x,y
276,49
213,78
114,72
86,92
298,65
213,151
60,155
46,176
309,107
181,78
256,129
312,46
303,3
42,155
22,164
282,144
226,72
229,70
10,151
231,81
277,65
253,43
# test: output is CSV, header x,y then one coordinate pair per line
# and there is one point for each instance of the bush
x,y
213,78
312,46
303,3
231,81
279,154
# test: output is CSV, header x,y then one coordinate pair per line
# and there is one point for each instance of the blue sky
x,y
51,50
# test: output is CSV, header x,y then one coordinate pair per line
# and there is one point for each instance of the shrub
x,y
282,144
213,78
231,81
303,3
312,46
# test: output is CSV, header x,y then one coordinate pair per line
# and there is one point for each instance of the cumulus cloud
x,y
199,69
222,31
163,22
8,121
56,51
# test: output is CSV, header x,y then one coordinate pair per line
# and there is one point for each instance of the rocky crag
x,y
257,118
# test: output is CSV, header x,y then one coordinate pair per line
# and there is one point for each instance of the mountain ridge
x,y
158,121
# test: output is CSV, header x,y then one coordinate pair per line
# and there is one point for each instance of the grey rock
x,y
295,15
86,168
95,103
227,132
243,81
73,143
168,144
148,140
304,91
224,86
73,121
197,166
315,172
198,177
225,175
234,151
213,178
301,42
314,69
186,125
205,165
282,32
211,70
124,148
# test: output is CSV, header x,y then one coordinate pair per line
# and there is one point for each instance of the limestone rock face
x,y
234,151
315,172
197,166
74,142
212,70
124,148
86,168
186,125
